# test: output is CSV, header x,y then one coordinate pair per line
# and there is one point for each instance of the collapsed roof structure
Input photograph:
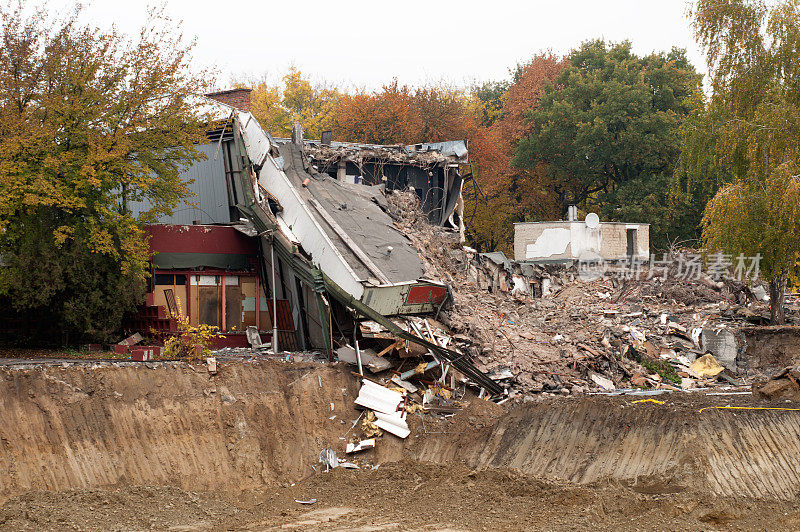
x,y
336,238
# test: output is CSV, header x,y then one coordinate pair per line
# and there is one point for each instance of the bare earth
x,y
398,496
178,449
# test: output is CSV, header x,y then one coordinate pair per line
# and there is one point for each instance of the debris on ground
x,y
783,385
363,445
328,458
541,330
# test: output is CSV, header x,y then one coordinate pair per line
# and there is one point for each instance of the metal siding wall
x,y
210,189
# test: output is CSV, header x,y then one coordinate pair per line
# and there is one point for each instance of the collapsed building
x,y
277,242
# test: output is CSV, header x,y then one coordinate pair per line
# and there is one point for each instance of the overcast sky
x,y
364,44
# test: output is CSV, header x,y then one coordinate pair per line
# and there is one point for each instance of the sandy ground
x,y
399,496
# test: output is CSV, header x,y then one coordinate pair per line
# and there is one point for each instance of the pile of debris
x,y
538,328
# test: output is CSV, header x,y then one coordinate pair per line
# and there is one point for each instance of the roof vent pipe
x,y
572,213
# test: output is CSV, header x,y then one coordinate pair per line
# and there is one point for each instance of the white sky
x,y
365,44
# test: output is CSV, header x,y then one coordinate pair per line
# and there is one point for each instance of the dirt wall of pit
x,y
649,447
169,424
261,423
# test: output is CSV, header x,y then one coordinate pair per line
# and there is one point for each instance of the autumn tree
x,y
606,134
387,116
294,99
89,120
753,53
700,173
502,194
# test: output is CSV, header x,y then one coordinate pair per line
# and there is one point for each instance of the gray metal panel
x,y
211,193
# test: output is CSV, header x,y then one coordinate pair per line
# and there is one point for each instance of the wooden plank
x,y
398,344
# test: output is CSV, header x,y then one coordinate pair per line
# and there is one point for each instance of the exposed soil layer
x,y
398,496
168,445
654,448
168,424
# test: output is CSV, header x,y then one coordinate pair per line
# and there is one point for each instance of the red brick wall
x,y
239,98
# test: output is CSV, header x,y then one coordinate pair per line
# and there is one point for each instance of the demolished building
x,y
294,251
431,170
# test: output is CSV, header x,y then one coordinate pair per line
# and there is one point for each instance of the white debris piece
x,y
394,423
602,382
363,445
328,458
379,398
253,338
388,406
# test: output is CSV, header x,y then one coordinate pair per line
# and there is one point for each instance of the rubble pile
x,y
329,156
544,330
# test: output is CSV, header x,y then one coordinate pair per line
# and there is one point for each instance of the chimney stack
x,y
238,98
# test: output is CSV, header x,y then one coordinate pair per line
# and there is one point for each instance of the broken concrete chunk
x,y
722,344
782,387
253,338
131,340
369,359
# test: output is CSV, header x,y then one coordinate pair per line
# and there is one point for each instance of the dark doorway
x,y
631,234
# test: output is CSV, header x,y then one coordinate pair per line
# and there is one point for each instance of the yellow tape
x,y
749,408
650,401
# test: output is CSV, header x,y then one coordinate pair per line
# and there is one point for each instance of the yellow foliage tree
x,y
753,52
295,99
90,120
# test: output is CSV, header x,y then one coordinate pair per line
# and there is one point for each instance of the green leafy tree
x,y
89,121
753,53
606,133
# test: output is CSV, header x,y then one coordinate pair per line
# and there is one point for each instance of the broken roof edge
x,y
452,151
300,219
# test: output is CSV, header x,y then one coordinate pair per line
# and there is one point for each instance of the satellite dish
x,y
592,220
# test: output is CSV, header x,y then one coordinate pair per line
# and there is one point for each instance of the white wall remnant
x,y
571,240
550,242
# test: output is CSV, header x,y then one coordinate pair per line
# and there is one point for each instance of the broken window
x,y
233,303
228,302
174,282
209,300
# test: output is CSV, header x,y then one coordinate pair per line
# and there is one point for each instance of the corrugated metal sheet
x,y
211,193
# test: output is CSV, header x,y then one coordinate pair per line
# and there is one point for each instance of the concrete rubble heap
x,y
539,329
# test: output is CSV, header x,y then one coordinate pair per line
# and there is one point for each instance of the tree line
x,y
600,127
